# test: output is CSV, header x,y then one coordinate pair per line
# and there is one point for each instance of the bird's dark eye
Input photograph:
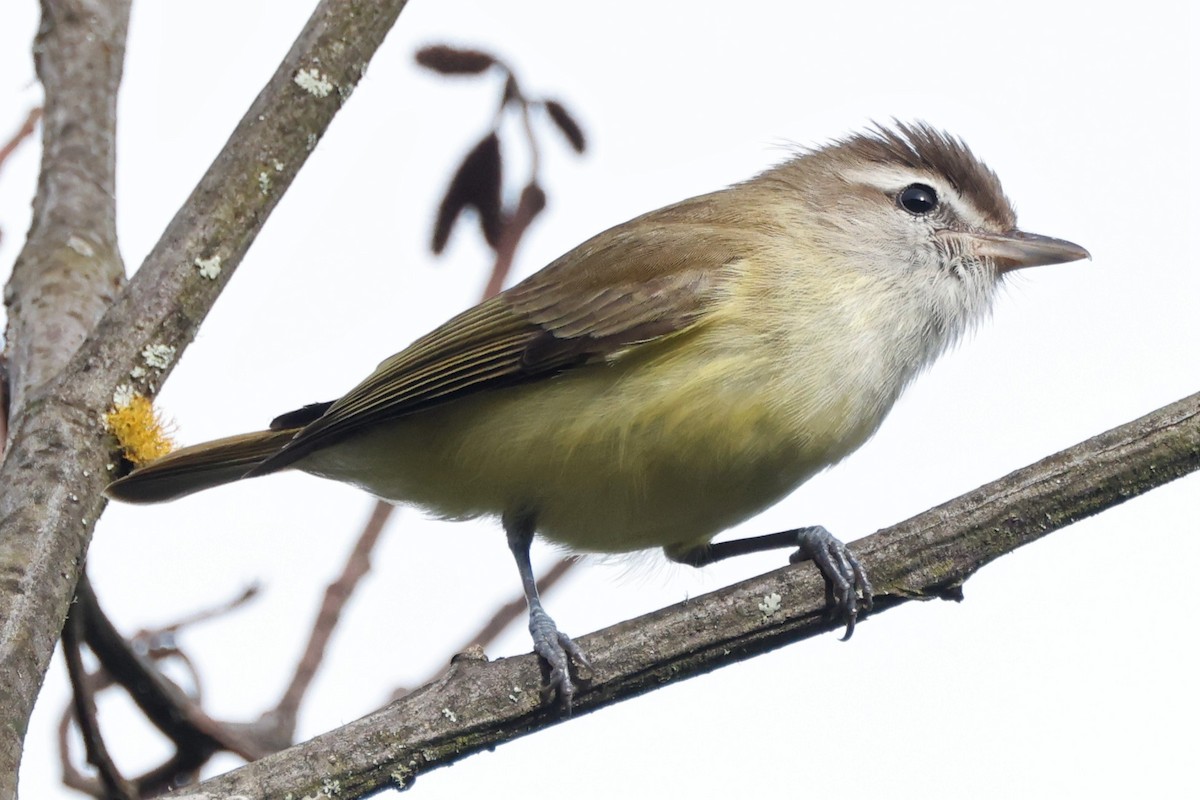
x,y
917,199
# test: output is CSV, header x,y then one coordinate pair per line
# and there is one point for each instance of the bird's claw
x,y
556,649
847,588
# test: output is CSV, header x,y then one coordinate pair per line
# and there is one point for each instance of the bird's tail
x,y
202,466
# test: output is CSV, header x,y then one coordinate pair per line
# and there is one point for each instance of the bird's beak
x,y
1017,249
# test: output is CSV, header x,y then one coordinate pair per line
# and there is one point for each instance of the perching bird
x,y
675,374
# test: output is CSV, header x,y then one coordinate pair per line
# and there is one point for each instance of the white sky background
x,y
1070,669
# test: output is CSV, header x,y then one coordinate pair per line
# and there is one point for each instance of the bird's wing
x,y
622,288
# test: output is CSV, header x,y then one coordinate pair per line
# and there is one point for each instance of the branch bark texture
x,y
69,270
478,705
65,277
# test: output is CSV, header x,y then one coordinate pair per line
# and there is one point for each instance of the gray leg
x,y
555,648
845,578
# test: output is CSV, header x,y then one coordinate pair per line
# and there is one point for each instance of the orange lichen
x,y
140,430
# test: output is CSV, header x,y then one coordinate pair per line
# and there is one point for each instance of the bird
x,y
675,374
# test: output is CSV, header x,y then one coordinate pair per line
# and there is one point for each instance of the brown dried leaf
x,y
452,205
533,200
477,184
512,92
453,61
567,124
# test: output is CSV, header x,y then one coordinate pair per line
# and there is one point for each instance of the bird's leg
x,y
847,587
555,647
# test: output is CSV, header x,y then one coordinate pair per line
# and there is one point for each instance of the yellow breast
x,y
670,444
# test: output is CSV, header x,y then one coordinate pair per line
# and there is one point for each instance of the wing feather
x,y
629,285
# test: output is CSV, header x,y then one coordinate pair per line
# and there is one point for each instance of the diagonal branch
x,y
21,134
478,705
58,460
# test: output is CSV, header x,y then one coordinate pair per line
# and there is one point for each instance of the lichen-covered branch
x,y
478,705
56,465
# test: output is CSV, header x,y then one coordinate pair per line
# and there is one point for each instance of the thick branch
x,y
69,270
65,277
58,460
475,706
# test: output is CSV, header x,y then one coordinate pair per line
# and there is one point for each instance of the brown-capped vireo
x,y
674,374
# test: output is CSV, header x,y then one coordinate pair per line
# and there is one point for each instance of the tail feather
x,y
203,466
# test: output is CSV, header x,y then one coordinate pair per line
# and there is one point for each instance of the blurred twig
x,y
132,665
83,707
21,134
337,594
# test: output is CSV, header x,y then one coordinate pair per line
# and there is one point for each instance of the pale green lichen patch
x,y
401,777
312,81
770,604
209,267
158,356
123,395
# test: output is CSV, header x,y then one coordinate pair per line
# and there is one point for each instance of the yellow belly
x,y
667,446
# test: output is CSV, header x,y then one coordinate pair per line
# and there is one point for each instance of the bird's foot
x,y
847,588
556,649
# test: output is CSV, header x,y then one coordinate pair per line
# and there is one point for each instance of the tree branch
x,y
283,716
69,270
478,705
66,275
110,783
59,459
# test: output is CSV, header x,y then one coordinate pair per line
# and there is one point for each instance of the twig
x,y
336,596
111,783
122,664
530,205
21,134
203,615
163,703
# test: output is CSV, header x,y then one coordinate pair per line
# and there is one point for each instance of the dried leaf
x,y
567,124
451,206
477,184
453,61
533,200
512,92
